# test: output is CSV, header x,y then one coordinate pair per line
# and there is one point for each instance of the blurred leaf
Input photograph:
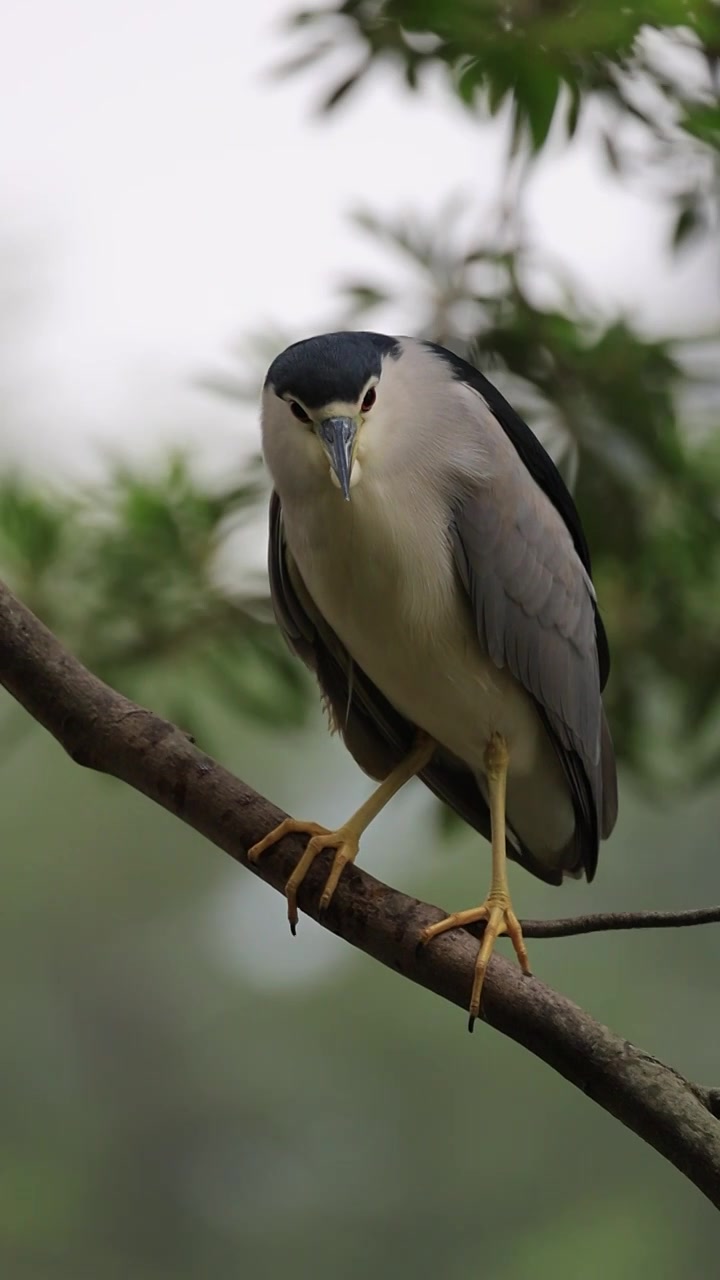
x,y
494,52
704,123
536,89
688,225
612,155
31,530
342,89
363,297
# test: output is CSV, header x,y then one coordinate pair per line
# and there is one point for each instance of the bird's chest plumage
x,y
384,578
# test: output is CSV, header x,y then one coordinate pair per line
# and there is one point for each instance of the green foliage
x,y
540,59
653,68
126,573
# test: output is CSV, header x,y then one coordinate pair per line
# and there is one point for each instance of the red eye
x,y
299,412
370,398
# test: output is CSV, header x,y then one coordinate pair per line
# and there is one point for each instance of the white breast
x,y
390,592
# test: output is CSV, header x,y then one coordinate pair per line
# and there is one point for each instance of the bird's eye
x,y
299,412
370,398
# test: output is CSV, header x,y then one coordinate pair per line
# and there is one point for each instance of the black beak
x,y
338,439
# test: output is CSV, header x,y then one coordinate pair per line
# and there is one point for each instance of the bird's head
x,y
322,405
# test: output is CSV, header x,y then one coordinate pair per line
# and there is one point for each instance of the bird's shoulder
x,y
531,452
537,516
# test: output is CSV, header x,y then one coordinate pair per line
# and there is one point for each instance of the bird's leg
x,y
496,910
346,839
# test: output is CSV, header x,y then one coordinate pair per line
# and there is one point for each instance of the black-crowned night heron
x,y
428,564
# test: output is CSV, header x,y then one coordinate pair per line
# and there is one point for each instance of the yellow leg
x,y
496,910
346,840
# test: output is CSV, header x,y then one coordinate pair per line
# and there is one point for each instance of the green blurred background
x,y
186,1091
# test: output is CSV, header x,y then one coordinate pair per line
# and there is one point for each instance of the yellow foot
x,y
345,840
500,918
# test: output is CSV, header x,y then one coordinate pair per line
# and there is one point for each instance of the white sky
x,y
168,197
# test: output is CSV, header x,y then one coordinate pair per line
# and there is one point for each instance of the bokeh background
x,y
185,1091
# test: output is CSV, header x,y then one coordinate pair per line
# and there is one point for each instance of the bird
x,y
428,564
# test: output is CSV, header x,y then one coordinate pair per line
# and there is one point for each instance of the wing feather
x,y
535,613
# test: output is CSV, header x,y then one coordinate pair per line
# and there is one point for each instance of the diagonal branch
x,y
105,731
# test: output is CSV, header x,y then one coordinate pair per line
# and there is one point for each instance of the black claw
x,y
293,929
471,1023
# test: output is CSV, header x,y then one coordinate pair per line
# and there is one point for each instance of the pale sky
x,y
170,197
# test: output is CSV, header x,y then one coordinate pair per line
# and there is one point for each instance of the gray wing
x,y
376,735
534,607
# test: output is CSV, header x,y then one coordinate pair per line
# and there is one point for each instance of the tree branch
x,y
612,921
105,731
